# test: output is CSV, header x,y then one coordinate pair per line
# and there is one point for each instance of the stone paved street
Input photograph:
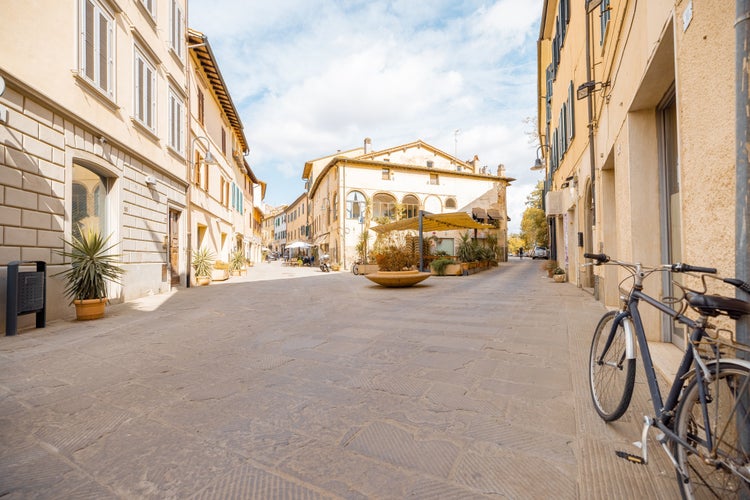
x,y
321,385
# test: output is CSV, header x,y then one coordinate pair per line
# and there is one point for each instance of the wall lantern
x,y
586,89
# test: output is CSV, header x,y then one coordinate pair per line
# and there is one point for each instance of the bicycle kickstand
x,y
642,444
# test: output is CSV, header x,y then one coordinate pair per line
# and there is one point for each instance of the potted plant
x,y
558,275
439,266
396,263
550,266
467,248
91,267
237,263
203,265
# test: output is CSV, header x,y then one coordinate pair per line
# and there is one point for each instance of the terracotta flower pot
x,y
87,309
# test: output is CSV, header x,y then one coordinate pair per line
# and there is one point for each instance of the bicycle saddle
x,y
713,305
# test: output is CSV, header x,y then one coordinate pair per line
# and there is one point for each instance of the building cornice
x,y
404,167
201,50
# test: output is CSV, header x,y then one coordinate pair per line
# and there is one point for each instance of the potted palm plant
x,y
237,263
91,267
203,265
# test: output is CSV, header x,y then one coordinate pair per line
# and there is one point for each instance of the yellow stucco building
x,y
636,123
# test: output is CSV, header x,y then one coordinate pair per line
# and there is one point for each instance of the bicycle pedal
x,y
630,457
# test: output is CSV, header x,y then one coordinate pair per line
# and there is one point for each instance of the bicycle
x,y
355,266
704,423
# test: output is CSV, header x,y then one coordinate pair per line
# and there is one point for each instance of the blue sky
x,y
311,77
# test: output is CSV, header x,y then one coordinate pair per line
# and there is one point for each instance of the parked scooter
x,y
324,265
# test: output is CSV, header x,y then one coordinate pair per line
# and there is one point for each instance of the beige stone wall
x,y
706,90
54,119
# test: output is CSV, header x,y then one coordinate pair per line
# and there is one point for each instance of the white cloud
x,y
310,77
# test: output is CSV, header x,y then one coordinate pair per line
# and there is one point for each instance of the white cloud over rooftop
x,y
310,77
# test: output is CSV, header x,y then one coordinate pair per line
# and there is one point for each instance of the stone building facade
x,y
636,124
96,131
342,188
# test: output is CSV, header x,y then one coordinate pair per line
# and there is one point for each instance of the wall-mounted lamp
x,y
538,163
588,88
209,159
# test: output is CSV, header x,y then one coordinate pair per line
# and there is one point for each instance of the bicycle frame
x,y
695,371
696,334
630,318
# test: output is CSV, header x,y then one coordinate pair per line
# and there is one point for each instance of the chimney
x,y
501,170
368,145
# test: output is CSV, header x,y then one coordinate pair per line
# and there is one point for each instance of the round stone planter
x,y
559,278
397,279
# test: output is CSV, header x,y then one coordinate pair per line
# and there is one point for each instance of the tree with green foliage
x,y
534,229
514,243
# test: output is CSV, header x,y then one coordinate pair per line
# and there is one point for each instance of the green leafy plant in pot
x,y
237,262
558,275
203,265
91,267
439,265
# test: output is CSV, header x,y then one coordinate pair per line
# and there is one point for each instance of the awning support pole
x,y
421,239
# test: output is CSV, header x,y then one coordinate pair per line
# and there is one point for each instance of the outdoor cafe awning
x,y
434,222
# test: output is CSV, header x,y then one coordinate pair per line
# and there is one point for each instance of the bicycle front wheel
x,y
723,469
611,375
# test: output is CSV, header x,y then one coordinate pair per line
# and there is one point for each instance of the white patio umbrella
x,y
299,244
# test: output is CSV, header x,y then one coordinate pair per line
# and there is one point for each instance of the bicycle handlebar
x,y
600,258
687,268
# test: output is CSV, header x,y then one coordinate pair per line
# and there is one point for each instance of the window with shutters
x,y
96,46
145,91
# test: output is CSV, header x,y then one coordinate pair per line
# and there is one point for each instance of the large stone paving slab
x,y
322,387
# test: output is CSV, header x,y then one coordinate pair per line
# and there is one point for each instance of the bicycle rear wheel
x,y
723,471
611,379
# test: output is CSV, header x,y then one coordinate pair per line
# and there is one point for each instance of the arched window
x,y
89,204
450,204
355,205
411,206
432,204
384,205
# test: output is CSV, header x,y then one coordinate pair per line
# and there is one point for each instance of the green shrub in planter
x,y
439,265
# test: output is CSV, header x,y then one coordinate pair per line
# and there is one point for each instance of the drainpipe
x,y
590,6
742,256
